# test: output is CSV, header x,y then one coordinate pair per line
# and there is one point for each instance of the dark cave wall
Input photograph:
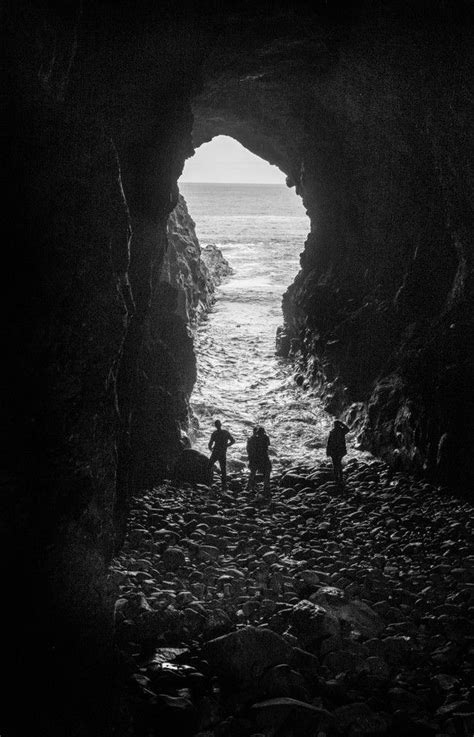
x,y
66,314
383,305
181,292
91,161
369,120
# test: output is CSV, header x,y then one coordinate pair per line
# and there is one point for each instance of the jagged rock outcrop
x,y
167,362
185,266
218,266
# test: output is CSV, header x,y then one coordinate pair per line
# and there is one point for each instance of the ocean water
x,y
260,230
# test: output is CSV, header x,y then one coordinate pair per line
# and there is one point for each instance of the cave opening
x,y
251,227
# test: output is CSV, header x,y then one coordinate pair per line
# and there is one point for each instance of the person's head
x,y
261,431
218,424
255,430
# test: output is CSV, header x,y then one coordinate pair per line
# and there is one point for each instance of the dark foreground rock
x,y
329,611
192,467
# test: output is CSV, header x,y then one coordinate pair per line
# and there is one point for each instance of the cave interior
x,y
368,112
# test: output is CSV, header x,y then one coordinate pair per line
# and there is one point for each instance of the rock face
x,y
368,113
218,266
382,305
192,467
167,363
187,267
244,656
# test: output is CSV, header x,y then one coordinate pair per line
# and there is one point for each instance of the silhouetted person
x,y
336,447
251,453
259,461
218,444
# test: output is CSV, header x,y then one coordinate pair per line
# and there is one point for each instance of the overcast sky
x,y
224,160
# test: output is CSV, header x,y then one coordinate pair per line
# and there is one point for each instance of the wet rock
x,y
282,680
358,720
173,559
244,655
358,614
403,700
305,718
376,666
207,552
369,584
312,623
305,663
192,467
343,661
293,480
218,266
176,714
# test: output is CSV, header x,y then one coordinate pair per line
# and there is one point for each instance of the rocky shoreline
x,y
319,612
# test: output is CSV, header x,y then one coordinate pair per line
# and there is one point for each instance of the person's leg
x,y
251,482
212,460
266,479
335,467
223,465
341,477
338,469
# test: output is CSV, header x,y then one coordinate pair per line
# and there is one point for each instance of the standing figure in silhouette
x,y
251,453
336,448
259,460
218,444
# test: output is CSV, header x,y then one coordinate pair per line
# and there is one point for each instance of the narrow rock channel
x,y
315,613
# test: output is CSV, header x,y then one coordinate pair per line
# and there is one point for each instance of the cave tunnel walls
x,y
369,117
368,121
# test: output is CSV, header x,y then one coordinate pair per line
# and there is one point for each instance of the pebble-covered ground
x,y
317,612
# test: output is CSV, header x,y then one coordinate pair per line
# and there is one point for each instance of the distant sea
x,y
261,230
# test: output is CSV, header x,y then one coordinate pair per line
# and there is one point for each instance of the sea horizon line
x,y
276,184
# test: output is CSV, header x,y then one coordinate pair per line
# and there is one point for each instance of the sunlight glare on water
x,y
260,230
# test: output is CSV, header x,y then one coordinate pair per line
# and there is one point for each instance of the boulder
x,y
293,480
282,680
312,623
192,467
276,714
217,265
359,720
173,558
357,613
244,655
